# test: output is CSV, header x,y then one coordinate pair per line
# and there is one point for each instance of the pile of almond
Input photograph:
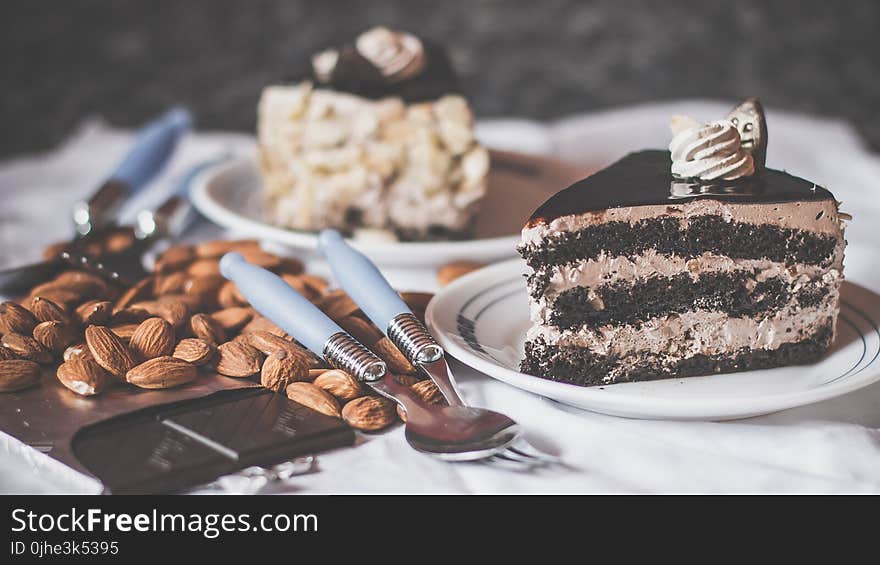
x,y
184,318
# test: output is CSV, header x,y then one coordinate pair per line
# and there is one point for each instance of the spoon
x,y
452,433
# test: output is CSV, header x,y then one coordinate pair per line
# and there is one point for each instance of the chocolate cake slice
x,y
638,274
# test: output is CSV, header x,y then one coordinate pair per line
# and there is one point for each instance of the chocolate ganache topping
x,y
644,178
384,62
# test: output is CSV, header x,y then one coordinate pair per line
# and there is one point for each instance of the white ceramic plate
x,y
482,318
229,195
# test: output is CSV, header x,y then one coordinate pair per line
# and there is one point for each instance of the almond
x,y
204,288
256,256
26,347
297,283
396,361
124,331
194,350
56,336
68,298
427,392
16,318
81,286
162,372
451,271
291,266
118,241
109,351
175,258
137,293
314,284
261,323
236,359
130,315
7,354
313,397
219,247
82,376
234,318
45,310
151,307
206,328
337,305
267,343
315,373
94,312
154,337
171,283
77,351
81,280
193,303
203,268
229,296
360,329
175,312
369,413
282,368
340,384
17,374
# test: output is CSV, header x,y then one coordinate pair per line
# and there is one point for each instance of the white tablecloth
x,y
829,447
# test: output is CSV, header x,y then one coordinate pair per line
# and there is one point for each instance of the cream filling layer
x,y
684,335
819,216
605,270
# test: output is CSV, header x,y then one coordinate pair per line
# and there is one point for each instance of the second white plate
x,y
230,196
481,319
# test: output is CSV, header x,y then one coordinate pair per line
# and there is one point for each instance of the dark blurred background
x,y
127,59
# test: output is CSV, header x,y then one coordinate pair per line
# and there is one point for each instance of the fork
x,y
365,284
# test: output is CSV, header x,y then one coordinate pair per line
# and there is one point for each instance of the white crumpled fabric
x,y
829,447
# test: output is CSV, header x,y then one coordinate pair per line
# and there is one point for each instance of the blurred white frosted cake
x,y
377,138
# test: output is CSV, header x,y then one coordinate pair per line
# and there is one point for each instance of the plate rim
x,y
459,291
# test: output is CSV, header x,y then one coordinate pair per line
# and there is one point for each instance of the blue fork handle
x,y
361,280
275,299
152,149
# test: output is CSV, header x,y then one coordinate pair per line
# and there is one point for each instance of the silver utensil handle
x,y
419,346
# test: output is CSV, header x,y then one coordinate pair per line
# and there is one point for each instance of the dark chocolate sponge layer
x,y
580,366
632,303
708,233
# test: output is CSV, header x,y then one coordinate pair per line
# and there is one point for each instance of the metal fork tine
x,y
502,461
511,453
523,447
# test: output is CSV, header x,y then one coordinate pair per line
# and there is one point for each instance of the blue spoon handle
x,y
152,149
361,280
289,310
275,299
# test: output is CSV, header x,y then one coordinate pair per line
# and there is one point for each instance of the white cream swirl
x,y
710,151
397,55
